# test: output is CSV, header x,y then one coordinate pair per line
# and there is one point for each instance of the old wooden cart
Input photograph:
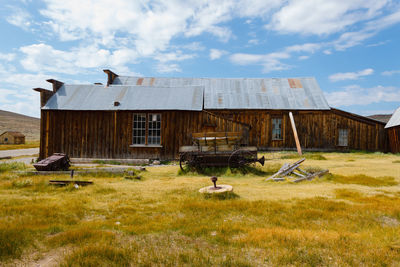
x,y
218,149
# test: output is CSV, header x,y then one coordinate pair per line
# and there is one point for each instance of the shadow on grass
x,y
222,171
221,196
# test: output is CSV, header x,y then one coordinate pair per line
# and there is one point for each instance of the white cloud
x,y
173,56
327,52
194,46
20,18
372,27
323,17
148,26
273,61
217,53
390,72
308,47
342,76
45,58
304,57
7,57
378,43
270,62
253,42
167,68
356,95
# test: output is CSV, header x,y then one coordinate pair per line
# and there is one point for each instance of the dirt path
x,y
19,152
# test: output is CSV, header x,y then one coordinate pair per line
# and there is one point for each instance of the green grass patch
x,y
108,162
12,166
12,241
363,179
396,161
311,156
99,255
22,183
224,171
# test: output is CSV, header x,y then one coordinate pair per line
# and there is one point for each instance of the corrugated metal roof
x,y
97,97
394,120
246,93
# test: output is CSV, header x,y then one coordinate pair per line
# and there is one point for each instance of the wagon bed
x,y
218,149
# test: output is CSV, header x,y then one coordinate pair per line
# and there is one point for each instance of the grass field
x,y
349,217
28,144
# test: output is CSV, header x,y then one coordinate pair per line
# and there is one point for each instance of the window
x,y
343,137
146,129
154,137
6,139
139,129
277,129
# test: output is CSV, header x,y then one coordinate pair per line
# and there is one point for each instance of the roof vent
x,y
116,104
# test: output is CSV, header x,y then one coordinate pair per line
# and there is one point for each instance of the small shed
x,y
12,138
393,130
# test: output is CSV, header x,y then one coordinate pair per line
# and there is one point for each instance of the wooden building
x,y
93,121
136,117
393,130
12,137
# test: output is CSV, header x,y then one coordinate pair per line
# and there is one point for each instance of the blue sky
x,y
352,47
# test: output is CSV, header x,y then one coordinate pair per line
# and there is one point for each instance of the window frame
x,y
341,138
146,130
155,129
139,137
272,128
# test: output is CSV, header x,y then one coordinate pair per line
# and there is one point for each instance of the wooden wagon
x,y
218,149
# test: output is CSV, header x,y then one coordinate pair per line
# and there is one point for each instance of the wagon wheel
x,y
240,158
186,159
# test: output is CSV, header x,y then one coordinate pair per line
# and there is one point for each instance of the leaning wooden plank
x,y
312,176
303,171
284,167
298,174
292,167
296,138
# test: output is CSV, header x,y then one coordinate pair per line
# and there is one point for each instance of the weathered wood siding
x,y
394,139
108,134
316,129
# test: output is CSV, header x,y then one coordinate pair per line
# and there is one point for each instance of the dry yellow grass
x,y
162,220
28,144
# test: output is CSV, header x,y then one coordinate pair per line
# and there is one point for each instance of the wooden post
x,y
296,138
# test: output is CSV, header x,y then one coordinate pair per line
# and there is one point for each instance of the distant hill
x,y
29,126
381,117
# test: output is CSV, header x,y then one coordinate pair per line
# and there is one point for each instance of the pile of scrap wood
x,y
294,169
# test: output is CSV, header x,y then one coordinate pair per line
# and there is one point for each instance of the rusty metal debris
x,y
56,162
214,179
288,169
66,182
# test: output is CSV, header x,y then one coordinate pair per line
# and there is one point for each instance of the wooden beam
x,y
296,138
110,76
44,95
56,84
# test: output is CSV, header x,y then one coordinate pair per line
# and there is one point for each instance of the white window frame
x,y
151,138
137,130
145,140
